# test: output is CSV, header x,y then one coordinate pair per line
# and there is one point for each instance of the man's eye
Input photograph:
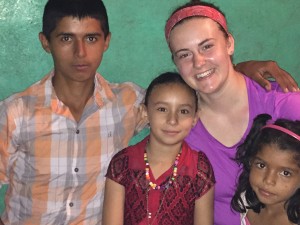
x,y
91,39
65,38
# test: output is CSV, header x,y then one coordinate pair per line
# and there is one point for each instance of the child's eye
x,y
184,111
286,173
161,109
260,165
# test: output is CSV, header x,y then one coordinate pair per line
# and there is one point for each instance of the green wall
x,y
263,29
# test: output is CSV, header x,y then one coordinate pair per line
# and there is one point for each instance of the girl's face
x,y
274,175
201,53
171,113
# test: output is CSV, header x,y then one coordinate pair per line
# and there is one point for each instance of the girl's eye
x,y
260,165
161,109
286,173
184,111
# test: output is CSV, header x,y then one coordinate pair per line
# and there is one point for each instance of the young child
x,y
268,191
161,180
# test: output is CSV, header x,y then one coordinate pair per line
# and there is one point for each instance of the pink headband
x,y
284,130
197,10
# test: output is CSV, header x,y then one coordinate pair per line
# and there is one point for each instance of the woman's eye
x,y
183,55
208,46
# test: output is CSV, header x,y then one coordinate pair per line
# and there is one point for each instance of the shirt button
x,y
77,131
76,170
71,204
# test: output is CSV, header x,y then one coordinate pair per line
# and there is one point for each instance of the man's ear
x,y
107,41
44,42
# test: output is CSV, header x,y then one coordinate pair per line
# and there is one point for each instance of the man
x,y
58,136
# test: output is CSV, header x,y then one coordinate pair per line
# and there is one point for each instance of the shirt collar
x,y
47,96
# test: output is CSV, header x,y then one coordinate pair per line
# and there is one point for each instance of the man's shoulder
x,y
30,93
118,85
127,92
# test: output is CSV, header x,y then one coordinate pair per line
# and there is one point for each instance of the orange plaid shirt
x,y
56,167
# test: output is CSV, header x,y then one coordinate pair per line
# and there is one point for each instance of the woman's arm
x,y
204,209
260,71
113,208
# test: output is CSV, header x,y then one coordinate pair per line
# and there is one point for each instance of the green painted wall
x,y
263,29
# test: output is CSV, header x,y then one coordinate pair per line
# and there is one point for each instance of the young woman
x,y
202,47
268,191
161,180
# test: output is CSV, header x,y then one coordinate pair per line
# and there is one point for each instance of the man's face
x,y
77,47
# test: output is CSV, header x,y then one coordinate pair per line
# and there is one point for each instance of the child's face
x,y
274,175
171,113
77,47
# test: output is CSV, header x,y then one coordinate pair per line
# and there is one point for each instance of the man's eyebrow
x,y
64,34
72,34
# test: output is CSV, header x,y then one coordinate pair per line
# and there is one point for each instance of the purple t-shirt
x,y
275,103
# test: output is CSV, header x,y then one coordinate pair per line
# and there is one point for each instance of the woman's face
x,y
201,53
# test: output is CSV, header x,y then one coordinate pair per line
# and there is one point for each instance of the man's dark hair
x,y
56,10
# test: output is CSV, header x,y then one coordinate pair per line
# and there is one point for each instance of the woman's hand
x,y
260,71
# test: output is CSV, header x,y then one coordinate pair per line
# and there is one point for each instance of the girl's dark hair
x,y
195,3
169,78
255,141
55,10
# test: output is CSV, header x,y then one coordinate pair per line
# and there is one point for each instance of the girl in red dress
x,y
161,180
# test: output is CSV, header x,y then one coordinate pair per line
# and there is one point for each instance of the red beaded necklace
x,y
172,178
158,187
